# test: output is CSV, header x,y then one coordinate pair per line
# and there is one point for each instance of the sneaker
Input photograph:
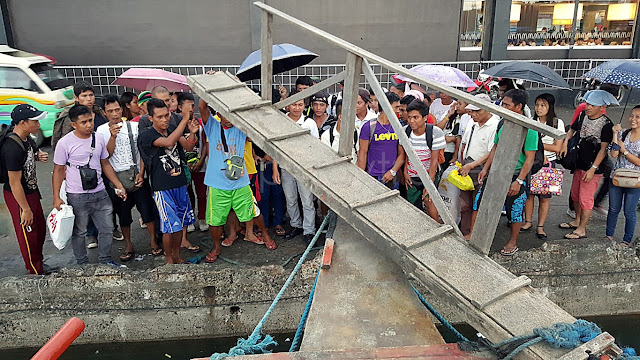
x,y
504,211
191,228
601,210
571,213
293,233
114,264
307,238
142,225
203,226
117,235
93,242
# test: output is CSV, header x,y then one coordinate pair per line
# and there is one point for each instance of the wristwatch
x,y
625,153
594,167
393,173
521,182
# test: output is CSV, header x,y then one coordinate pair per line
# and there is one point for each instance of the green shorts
x,y
220,202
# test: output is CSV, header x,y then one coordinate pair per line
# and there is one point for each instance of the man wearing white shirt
x,y
291,187
476,146
440,107
125,159
362,110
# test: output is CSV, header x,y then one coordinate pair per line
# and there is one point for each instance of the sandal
x,y
191,248
280,230
541,235
625,245
566,225
157,251
258,239
523,229
228,242
211,258
574,236
271,245
127,256
509,251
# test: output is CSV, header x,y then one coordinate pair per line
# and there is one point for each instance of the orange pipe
x,y
60,340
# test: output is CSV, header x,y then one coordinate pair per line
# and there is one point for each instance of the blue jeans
x,y
271,196
96,206
616,197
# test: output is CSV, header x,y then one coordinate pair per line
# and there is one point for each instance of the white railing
x,y
103,76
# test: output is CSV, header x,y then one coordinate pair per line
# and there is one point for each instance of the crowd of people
x,y
152,152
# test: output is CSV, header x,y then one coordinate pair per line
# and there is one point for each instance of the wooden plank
x,y
373,58
327,254
498,182
595,346
443,210
333,162
453,271
499,293
384,196
436,234
266,44
311,90
349,100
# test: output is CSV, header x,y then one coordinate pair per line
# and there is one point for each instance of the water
x,y
624,328
156,350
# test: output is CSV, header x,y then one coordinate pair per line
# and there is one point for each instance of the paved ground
x,y
248,253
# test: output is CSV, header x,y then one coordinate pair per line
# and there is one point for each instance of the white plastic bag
x,y
63,191
60,225
450,194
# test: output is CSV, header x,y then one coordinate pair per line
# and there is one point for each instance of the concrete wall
x,y
77,32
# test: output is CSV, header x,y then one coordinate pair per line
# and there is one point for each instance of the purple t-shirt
x,y
75,151
383,148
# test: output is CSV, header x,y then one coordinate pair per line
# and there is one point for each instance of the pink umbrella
x,y
147,78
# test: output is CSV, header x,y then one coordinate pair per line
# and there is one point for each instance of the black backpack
x,y
428,134
7,134
538,160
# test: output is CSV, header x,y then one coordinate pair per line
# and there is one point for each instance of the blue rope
x,y
295,344
255,344
439,316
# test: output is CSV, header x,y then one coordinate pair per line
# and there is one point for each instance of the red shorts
x,y
583,192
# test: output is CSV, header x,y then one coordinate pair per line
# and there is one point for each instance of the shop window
x,y
471,24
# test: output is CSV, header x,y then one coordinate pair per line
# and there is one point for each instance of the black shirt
x,y
20,158
166,163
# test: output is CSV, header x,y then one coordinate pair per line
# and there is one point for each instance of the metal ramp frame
x,y
490,298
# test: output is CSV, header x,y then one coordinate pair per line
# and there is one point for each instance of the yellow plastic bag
x,y
463,183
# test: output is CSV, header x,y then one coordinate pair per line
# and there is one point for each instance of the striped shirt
x,y
419,144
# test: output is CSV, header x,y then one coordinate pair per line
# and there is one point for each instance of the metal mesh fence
x,y
102,77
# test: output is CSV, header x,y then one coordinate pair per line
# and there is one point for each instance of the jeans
x,y
292,188
96,206
630,197
271,196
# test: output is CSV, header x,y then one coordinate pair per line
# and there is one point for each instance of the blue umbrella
x,y
618,72
285,58
528,71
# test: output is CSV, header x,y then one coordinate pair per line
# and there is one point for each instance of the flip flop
x,y
191,248
510,252
575,236
211,259
280,230
127,256
258,239
157,251
566,225
228,242
541,235
271,245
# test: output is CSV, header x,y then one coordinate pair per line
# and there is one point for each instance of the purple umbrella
x,y
443,74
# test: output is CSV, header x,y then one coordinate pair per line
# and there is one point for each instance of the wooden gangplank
x,y
490,298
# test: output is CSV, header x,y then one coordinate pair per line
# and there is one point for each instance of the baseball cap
x,y
364,94
320,96
144,97
483,97
25,112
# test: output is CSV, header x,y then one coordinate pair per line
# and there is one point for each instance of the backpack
x,y
538,160
332,137
429,137
8,134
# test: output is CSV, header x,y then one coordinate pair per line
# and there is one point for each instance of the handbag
x,y
128,177
547,181
626,178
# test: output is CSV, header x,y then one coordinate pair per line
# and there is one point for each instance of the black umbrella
x,y
285,57
528,71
